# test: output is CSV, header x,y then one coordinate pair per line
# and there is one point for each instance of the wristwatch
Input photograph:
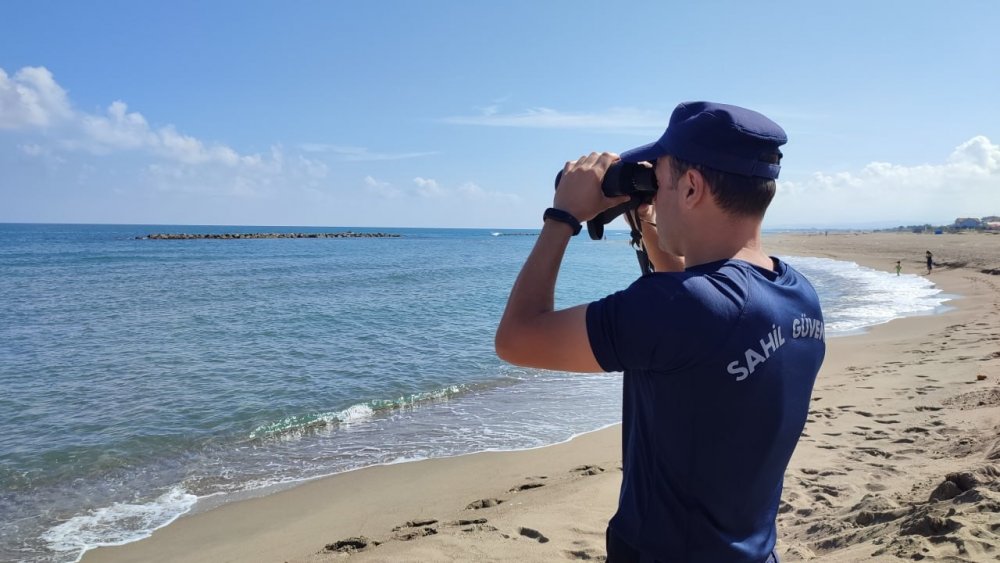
x,y
563,217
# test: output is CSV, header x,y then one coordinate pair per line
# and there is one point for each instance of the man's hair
x,y
736,194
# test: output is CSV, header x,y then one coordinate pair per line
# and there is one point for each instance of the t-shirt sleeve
x,y
635,328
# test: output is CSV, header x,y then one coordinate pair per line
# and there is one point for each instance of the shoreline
x,y
580,476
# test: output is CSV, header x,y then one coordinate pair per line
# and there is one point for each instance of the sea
x,y
141,379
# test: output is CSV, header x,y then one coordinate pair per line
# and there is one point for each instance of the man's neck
x,y
737,240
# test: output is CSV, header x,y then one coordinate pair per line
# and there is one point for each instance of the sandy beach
x,y
900,458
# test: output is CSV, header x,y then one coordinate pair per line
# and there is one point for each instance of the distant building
x,y
991,219
992,225
968,223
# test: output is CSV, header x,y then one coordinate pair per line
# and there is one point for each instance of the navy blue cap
x,y
727,138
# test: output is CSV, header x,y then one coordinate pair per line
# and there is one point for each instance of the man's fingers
x,y
598,160
607,159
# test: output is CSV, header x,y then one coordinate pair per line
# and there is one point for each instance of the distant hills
x,y
988,223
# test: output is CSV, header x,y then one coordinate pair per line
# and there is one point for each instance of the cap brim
x,y
645,153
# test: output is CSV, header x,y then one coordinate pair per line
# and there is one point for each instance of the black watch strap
x,y
563,217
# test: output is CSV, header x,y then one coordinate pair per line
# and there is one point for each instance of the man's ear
x,y
693,189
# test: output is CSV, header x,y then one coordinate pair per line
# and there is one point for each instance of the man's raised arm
x,y
531,332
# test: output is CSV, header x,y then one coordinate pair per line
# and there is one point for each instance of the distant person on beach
x,y
930,261
720,346
899,267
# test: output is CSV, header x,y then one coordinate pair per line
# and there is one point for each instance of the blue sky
x,y
459,114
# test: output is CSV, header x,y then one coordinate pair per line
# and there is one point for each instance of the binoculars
x,y
622,178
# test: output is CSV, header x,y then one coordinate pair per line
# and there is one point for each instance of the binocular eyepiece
x,y
622,178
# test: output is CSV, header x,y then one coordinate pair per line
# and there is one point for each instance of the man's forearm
x,y
534,290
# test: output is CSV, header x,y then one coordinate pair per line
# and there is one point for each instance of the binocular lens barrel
x,y
626,178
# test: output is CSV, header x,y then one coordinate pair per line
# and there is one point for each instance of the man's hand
x,y
661,260
579,191
646,214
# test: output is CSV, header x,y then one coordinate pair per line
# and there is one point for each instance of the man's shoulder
x,y
692,292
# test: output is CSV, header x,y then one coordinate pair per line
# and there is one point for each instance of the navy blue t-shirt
x,y
719,365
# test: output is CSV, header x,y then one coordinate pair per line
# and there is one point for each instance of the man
x,y
719,355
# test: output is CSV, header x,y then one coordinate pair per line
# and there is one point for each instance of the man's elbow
x,y
507,346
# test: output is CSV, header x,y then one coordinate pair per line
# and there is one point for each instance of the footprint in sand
x,y
414,534
585,554
533,534
526,487
483,503
415,524
414,529
351,545
472,525
466,522
589,470
875,452
826,490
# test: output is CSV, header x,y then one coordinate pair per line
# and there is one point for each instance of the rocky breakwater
x,y
235,236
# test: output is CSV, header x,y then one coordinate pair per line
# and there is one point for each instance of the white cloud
x,y
427,187
175,162
380,189
313,168
430,189
32,149
473,192
622,120
245,177
120,129
157,172
31,98
966,184
41,154
359,154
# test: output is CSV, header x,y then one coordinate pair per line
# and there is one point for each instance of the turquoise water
x,y
139,375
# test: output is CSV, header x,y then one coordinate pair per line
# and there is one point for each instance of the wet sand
x,y
900,458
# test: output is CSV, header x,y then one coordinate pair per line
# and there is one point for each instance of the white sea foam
x,y
119,523
855,297
294,426
354,414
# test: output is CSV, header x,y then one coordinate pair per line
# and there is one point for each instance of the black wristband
x,y
563,217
